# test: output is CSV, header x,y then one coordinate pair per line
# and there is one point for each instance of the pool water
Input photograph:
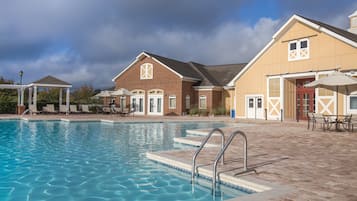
x,y
54,160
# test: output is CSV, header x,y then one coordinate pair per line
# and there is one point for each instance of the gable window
x,y
172,102
146,71
298,49
203,102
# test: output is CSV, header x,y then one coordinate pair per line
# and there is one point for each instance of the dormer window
x,y
298,49
146,71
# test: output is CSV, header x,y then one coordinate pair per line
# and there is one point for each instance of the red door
x,y
305,98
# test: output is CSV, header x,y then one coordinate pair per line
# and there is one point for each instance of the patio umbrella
x,y
335,81
103,94
122,92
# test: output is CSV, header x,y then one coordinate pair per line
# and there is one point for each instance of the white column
x,y
67,100
18,97
35,98
30,96
22,96
60,97
282,98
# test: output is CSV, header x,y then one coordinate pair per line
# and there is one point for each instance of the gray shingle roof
x,y
51,80
180,67
209,75
336,30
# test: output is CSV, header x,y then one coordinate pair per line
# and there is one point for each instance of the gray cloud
x,y
90,41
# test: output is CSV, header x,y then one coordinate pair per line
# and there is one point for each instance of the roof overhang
x,y
292,19
12,86
49,85
207,88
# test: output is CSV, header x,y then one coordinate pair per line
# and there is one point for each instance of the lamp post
x,y
21,73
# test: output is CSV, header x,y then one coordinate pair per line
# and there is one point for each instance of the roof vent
x,y
353,23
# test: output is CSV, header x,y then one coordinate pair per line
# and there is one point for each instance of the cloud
x,y
90,41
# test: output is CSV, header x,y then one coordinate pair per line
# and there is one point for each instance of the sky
x,y
88,42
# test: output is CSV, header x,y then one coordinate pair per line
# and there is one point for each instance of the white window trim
x,y
199,102
298,49
172,97
145,67
349,110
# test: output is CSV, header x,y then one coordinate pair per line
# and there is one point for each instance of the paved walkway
x,y
319,165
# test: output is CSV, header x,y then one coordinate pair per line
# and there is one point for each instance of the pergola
x,y
49,82
46,82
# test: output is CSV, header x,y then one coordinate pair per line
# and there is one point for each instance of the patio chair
x,y
33,110
63,109
73,109
85,109
127,112
106,110
319,119
310,120
49,108
348,122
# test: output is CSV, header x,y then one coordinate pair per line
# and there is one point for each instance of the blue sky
x,y
91,41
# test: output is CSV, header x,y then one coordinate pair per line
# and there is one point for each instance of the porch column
x,y
282,98
18,97
67,100
35,98
60,97
30,96
22,96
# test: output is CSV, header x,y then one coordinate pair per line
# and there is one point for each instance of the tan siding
x,y
326,53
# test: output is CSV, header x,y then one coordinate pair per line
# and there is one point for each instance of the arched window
x,y
146,71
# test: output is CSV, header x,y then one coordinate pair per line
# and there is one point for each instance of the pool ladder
x,y
220,154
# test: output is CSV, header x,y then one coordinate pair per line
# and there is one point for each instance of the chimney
x,y
353,23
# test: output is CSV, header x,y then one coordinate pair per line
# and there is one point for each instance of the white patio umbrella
x,y
122,92
103,94
335,81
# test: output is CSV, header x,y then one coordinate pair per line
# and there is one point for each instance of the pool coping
x,y
262,189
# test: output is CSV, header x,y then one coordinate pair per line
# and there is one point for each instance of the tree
x,y
83,95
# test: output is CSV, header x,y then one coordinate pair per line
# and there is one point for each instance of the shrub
x,y
194,110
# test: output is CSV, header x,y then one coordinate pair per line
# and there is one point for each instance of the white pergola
x,y
46,82
49,82
20,91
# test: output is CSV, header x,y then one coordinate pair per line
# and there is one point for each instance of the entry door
x,y
155,105
137,103
255,107
305,98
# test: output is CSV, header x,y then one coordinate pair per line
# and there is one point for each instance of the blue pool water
x,y
54,160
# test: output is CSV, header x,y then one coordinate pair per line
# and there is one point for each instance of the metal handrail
x,y
221,153
194,169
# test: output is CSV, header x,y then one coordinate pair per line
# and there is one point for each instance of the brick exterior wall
x,y
171,84
163,79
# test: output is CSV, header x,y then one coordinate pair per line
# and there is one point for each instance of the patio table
x,y
338,120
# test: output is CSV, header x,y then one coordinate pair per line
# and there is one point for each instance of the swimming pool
x,y
56,160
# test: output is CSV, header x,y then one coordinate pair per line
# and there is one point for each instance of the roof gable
x,y
50,80
332,31
181,69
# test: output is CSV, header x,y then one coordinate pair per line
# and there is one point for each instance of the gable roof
x,y
50,80
335,32
214,75
180,67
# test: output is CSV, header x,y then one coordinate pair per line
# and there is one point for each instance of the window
x,y
353,102
146,71
172,102
298,49
203,102
188,102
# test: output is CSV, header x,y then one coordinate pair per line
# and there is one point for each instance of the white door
x,y
137,103
155,105
255,107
